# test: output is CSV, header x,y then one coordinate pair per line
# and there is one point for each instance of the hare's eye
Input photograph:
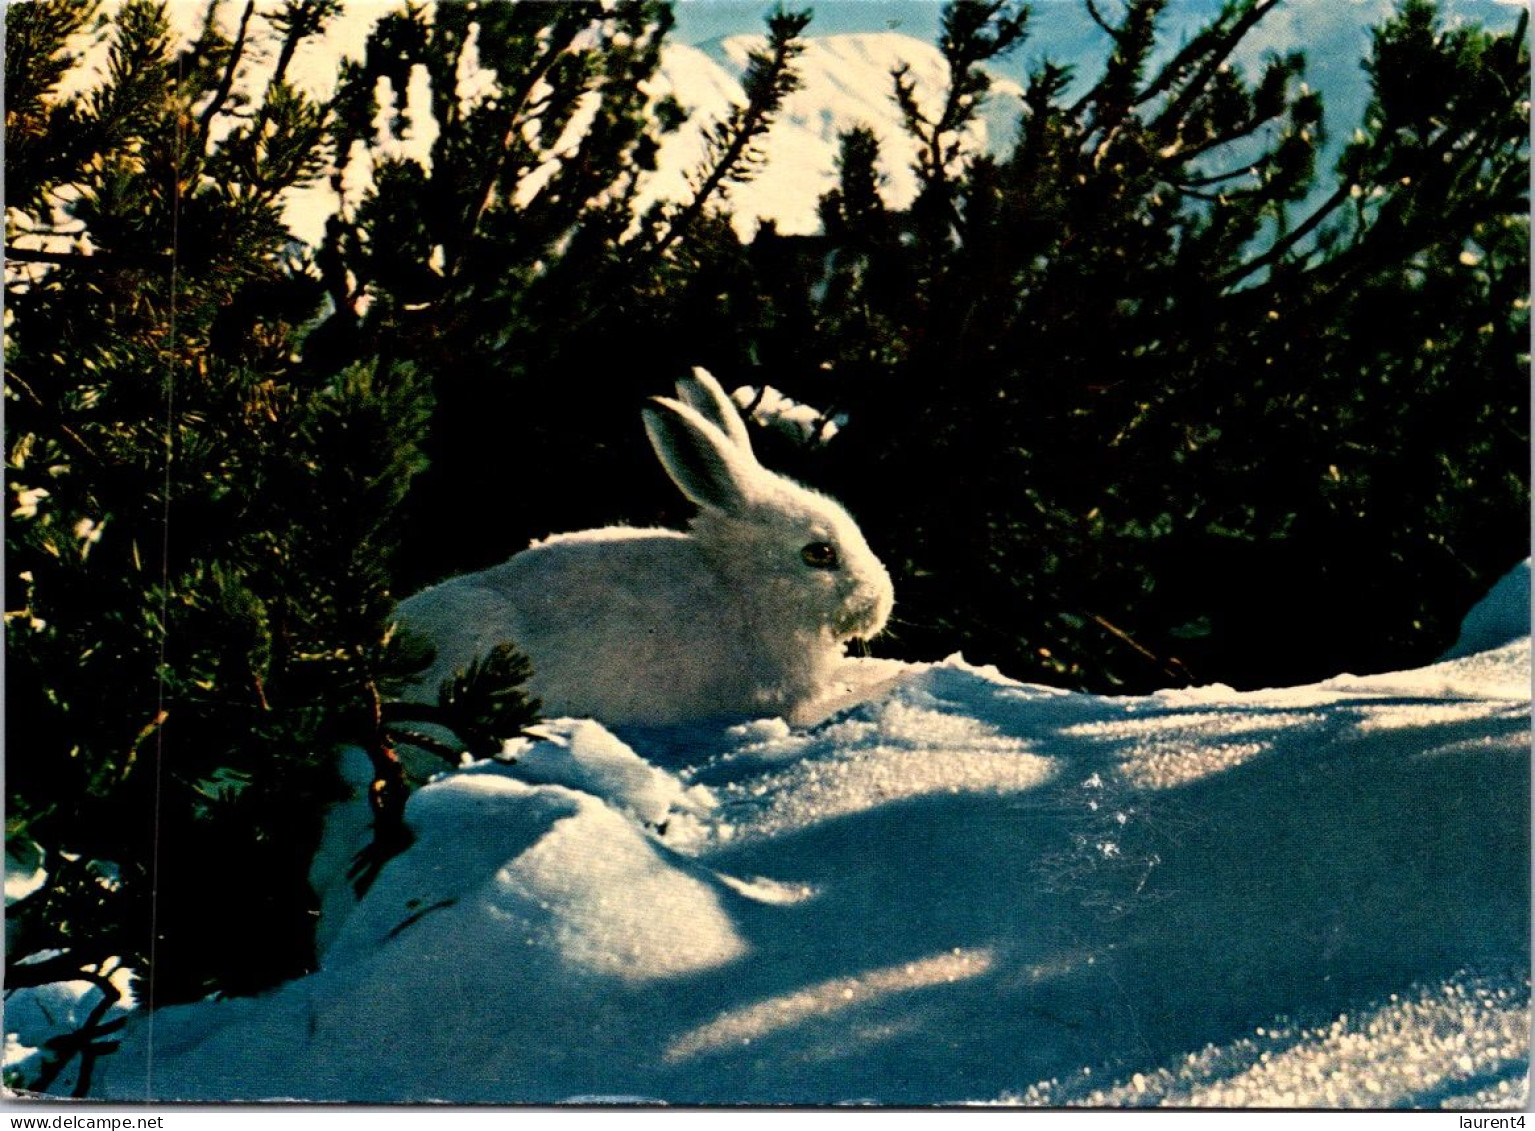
x,y
820,555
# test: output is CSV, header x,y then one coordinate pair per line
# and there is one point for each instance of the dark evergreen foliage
x,y
198,553
1149,399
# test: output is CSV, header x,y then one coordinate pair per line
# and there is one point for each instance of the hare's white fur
x,y
662,626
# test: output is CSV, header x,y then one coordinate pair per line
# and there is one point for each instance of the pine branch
x,y
1166,124
298,20
770,78
449,753
479,201
1172,666
1284,246
485,702
1205,181
1389,241
973,32
388,791
1432,156
227,79
1206,40
1097,18
52,413
1133,41
1175,155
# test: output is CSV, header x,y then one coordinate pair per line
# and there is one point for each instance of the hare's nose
x,y
875,609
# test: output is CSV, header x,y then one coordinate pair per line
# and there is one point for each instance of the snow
x,y
962,889
581,754
34,1015
24,871
803,423
1498,617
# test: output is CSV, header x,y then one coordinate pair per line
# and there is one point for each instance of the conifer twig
x,y
227,79
770,78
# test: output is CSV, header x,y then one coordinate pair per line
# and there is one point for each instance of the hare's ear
x,y
704,394
706,466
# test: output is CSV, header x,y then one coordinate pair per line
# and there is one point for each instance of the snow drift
x,y
964,889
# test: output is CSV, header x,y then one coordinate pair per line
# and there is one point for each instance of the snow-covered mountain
x,y
846,83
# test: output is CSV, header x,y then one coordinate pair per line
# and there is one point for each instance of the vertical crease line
x,y
178,140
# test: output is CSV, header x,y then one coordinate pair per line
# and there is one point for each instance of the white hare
x,y
747,613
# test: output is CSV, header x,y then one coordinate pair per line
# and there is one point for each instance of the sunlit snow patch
x,y
546,871
1466,1039
766,890
1161,751
902,749
583,755
773,1016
